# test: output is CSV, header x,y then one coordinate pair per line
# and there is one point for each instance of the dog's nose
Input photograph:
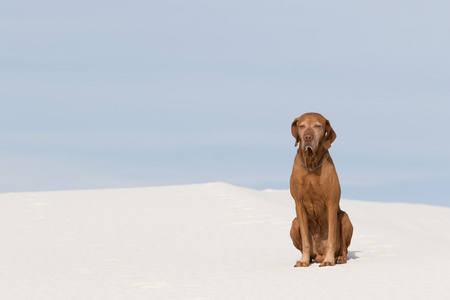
x,y
308,137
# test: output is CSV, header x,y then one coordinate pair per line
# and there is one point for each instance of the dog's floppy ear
x,y
330,135
294,129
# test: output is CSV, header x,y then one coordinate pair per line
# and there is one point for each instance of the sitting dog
x,y
321,230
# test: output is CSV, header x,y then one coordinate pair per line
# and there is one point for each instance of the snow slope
x,y
210,241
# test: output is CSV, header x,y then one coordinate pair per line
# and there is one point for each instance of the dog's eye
x,y
302,126
317,126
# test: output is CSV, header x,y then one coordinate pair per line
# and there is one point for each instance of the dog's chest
x,y
313,199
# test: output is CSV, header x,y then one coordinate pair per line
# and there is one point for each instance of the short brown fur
x,y
321,230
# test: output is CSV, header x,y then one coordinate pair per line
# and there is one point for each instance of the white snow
x,y
210,241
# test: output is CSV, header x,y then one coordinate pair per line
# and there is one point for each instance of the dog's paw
x,y
327,264
341,260
301,264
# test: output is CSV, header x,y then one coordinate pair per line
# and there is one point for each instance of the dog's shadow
x,y
352,255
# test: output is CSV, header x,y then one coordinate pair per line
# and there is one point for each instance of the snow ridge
x,y
209,241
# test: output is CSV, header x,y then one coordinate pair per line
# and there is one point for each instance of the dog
x,y
321,231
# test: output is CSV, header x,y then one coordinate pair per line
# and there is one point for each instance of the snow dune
x,y
210,241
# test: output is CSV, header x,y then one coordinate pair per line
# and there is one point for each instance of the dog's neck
x,y
310,159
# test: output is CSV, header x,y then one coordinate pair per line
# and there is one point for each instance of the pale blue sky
x,y
100,94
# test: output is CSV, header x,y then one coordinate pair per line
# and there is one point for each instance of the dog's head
x,y
312,130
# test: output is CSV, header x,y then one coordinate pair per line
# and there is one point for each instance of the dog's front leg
x,y
304,232
332,210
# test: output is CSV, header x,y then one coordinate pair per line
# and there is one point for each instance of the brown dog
x,y
321,230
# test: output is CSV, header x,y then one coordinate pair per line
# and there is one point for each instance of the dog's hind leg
x,y
345,236
296,235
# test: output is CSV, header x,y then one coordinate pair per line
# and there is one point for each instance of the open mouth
x,y
308,149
